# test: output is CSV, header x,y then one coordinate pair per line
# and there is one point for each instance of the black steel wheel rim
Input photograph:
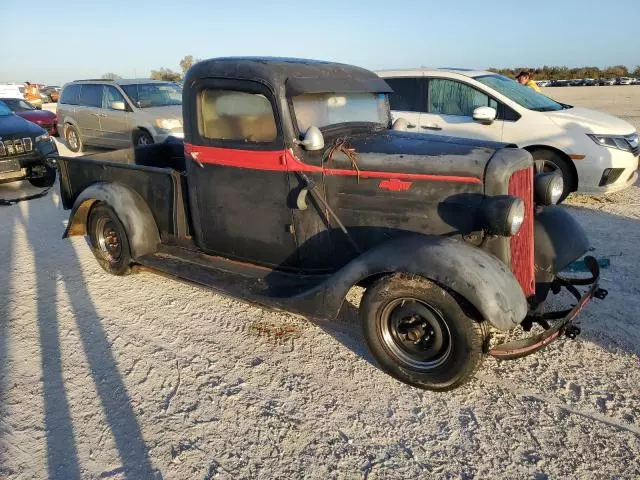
x,y
415,334
109,241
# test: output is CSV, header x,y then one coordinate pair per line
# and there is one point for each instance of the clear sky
x,y
53,42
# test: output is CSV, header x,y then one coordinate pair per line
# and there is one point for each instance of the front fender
x,y
131,209
477,276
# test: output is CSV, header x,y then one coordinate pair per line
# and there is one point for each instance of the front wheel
x,y
108,240
141,138
548,161
73,139
420,334
45,181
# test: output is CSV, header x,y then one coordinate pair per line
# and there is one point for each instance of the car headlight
x,y
503,214
169,123
548,188
621,142
43,138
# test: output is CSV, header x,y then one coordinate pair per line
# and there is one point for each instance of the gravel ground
x,y
143,377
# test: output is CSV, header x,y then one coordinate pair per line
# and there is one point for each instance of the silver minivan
x,y
119,113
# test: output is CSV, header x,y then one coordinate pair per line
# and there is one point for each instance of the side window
x,y
236,116
91,95
450,97
110,96
70,94
408,94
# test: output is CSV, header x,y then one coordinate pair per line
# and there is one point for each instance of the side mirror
x,y
485,115
118,105
313,139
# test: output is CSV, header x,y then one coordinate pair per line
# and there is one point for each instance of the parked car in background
x,y
24,147
543,83
24,109
594,151
51,93
119,113
10,90
625,81
607,81
589,82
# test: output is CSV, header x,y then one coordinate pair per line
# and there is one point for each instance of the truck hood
x,y
12,126
394,151
591,121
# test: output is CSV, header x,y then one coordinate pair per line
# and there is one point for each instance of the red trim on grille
x,y
522,261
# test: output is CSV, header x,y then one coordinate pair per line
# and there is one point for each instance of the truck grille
x,y
522,254
15,147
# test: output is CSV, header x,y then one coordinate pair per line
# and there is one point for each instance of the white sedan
x,y
594,151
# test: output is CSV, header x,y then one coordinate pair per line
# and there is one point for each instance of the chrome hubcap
x,y
143,140
73,139
415,333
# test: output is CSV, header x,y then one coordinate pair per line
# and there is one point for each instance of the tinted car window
x,y
237,116
111,94
408,94
70,94
449,97
91,95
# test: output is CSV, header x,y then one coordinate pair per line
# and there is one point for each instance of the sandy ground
x,y
142,377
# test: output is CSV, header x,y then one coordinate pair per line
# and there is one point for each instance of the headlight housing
x,y
503,215
621,142
169,123
548,188
43,138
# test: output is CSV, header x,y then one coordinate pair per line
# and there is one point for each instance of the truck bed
x,y
155,172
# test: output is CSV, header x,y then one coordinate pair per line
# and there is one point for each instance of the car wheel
x,y
420,334
47,180
108,240
73,139
550,161
142,137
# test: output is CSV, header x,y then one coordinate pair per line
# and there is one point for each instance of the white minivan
x,y
594,151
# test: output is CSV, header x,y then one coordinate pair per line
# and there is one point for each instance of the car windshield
x,y
324,109
145,95
18,105
4,110
521,94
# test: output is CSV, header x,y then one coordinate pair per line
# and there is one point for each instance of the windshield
x,y
18,105
521,94
145,95
4,110
324,109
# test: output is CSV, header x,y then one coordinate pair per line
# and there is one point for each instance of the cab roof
x,y
296,74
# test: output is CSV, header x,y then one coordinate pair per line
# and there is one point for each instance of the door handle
x,y
432,126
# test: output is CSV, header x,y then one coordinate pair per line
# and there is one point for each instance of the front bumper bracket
x,y
526,346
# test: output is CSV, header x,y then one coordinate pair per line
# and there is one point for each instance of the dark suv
x,y
24,147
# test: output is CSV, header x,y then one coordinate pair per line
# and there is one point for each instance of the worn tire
x,y
142,137
467,335
102,218
47,180
557,163
73,139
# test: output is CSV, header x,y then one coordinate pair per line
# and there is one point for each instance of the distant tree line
x,y
172,76
566,73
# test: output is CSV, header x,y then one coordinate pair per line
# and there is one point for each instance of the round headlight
x,y
548,188
504,215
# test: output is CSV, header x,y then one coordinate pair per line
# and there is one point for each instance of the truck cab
x,y
293,185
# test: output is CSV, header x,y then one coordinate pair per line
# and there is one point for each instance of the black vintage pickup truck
x,y
292,186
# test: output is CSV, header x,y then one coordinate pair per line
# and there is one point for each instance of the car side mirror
x,y
313,139
118,105
485,115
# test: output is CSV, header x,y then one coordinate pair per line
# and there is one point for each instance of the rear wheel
x,y
45,181
420,334
550,161
108,240
142,137
73,139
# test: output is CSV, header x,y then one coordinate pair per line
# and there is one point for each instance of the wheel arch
x,y
565,157
477,277
137,129
129,206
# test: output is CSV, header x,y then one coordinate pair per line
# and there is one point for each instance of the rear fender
x,y
131,209
475,275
